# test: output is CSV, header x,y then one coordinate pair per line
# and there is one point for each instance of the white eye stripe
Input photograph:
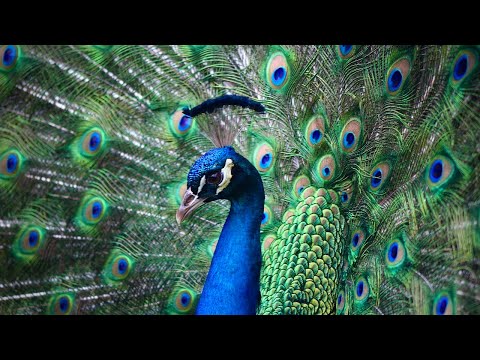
x,y
202,183
227,175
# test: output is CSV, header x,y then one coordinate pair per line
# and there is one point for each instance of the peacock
x,y
223,179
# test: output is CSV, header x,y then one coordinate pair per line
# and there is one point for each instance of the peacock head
x,y
221,173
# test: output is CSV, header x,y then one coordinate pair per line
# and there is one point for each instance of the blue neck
x,y
232,285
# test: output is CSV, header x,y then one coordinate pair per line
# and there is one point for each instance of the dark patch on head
x,y
212,160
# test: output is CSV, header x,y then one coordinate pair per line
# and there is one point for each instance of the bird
x,y
239,179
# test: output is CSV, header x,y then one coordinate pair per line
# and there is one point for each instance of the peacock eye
x,y
396,76
357,240
215,178
10,163
8,57
439,172
92,142
184,300
443,304
346,51
464,64
361,289
277,71
61,304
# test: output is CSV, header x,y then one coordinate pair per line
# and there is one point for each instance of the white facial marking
x,y
202,183
227,175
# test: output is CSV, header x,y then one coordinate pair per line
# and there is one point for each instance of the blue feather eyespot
x,y
277,71
264,157
376,178
379,176
350,136
314,131
279,75
357,240
92,142
118,267
395,80
464,63
436,171
346,194
266,216
300,184
9,56
443,304
28,242
181,124
185,123
61,304
395,254
439,172
346,51
340,302
184,301
461,66
94,210
362,290
267,241
315,136
10,164
121,267
397,75
326,167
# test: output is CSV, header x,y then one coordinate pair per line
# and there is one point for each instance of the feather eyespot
x,y
361,289
443,304
346,51
121,267
94,210
350,136
326,167
314,131
379,175
92,142
300,184
277,71
266,216
396,76
28,242
340,302
264,157
184,301
10,164
463,65
357,240
117,268
215,178
31,240
395,254
439,172
181,124
61,304
9,57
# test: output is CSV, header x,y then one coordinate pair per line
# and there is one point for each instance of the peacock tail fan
x,y
368,156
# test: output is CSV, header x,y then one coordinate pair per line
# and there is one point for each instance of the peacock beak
x,y
190,203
